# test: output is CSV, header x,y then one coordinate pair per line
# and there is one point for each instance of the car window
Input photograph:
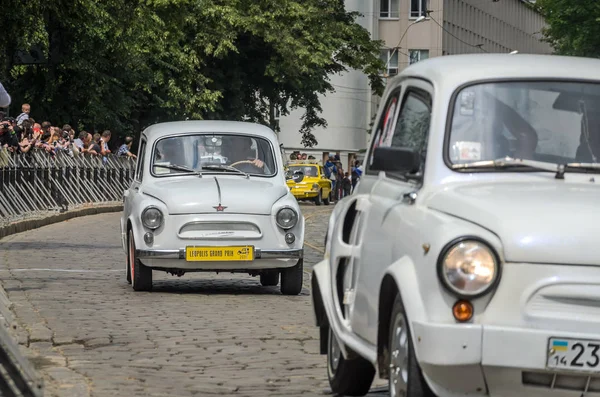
x,y
386,123
412,128
551,121
139,171
198,151
409,125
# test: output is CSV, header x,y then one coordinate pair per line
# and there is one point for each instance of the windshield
x,y
555,122
213,153
307,170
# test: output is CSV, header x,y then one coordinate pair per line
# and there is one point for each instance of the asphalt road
x,y
89,333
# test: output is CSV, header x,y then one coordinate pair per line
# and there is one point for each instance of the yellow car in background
x,y
307,181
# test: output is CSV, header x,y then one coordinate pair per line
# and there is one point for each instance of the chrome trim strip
x,y
274,254
218,189
258,254
160,254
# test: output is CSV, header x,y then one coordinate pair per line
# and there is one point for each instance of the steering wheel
x,y
250,162
242,162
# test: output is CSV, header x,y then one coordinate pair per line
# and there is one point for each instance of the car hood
x,y
537,223
193,195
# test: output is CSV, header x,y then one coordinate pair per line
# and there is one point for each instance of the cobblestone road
x,y
201,334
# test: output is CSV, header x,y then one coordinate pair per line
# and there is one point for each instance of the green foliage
x,y
125,65
573,26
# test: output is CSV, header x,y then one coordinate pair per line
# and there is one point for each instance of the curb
x,y
30,224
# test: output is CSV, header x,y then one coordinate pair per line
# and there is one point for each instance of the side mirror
x,y
297,176
396,159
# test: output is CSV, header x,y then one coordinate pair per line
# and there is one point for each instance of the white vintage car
x,y
211,196
467,262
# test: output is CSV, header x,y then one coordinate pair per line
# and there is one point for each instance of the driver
x,y
238,149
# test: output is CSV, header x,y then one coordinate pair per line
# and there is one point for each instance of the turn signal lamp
x,y
462,311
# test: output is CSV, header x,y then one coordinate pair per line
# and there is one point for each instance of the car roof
x,y
457,70
160,130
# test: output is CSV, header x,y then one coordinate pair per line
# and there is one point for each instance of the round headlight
x,y
469,268
286,218
152,218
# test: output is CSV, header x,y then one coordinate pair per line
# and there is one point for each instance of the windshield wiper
x,y
223,167
508,162
583,166
177,167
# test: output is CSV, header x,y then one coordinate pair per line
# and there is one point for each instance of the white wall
x,y
347,110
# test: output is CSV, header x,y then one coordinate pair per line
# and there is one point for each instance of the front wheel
x,y
141,276
405,378
291,279
319,198
347,377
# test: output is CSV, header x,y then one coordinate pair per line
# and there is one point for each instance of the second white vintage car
x,y
212,196
467,261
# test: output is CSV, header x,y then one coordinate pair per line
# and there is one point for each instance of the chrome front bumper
x,y
258,254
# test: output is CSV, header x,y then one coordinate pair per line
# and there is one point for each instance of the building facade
x,y
411,31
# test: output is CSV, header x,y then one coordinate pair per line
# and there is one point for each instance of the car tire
x,y
291,279
127,265
406,378
141,276
327,201
269,279
319,198
347,377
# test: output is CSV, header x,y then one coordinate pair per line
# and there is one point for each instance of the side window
x,y
405,126
139,171
383,133
412,127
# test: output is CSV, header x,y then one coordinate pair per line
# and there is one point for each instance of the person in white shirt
x,y
4,97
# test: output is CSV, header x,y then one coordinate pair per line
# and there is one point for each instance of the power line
x,y
480,46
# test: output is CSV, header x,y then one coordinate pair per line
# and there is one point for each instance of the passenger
x,y
524,133
589,141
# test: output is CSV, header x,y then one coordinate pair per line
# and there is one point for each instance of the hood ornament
x,y
219,208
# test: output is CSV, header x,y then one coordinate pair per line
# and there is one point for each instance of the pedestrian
x,y
25,110
4,97
347,185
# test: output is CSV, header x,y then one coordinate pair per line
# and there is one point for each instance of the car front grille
x,y
215,230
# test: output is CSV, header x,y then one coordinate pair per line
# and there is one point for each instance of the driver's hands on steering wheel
x,y
258,163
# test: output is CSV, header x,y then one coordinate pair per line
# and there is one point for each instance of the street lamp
x,y
419,19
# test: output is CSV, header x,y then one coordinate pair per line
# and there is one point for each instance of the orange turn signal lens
x,y
462,311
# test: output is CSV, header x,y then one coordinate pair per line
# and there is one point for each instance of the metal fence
x,y
37,182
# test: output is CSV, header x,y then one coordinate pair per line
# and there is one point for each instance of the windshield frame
x,y
274,174
450,118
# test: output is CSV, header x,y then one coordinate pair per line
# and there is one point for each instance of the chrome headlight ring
x,y
469,267
286,218
152,217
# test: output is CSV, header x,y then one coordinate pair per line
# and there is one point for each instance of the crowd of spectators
x,y
23,133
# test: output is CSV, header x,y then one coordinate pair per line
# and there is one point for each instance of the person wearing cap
x,y
4,97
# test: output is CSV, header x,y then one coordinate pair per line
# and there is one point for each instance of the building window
x,y
418,8
418,55
391,60
389,9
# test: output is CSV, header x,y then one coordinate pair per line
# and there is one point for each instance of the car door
x,y
131,193
390,192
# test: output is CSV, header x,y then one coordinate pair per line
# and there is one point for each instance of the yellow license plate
x,y
219,254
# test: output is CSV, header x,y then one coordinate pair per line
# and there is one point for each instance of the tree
x,y
573,26
125,65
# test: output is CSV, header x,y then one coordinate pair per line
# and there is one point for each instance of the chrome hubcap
x,y
335,353
399,358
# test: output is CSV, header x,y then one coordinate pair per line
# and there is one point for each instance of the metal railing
x,y
36,183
